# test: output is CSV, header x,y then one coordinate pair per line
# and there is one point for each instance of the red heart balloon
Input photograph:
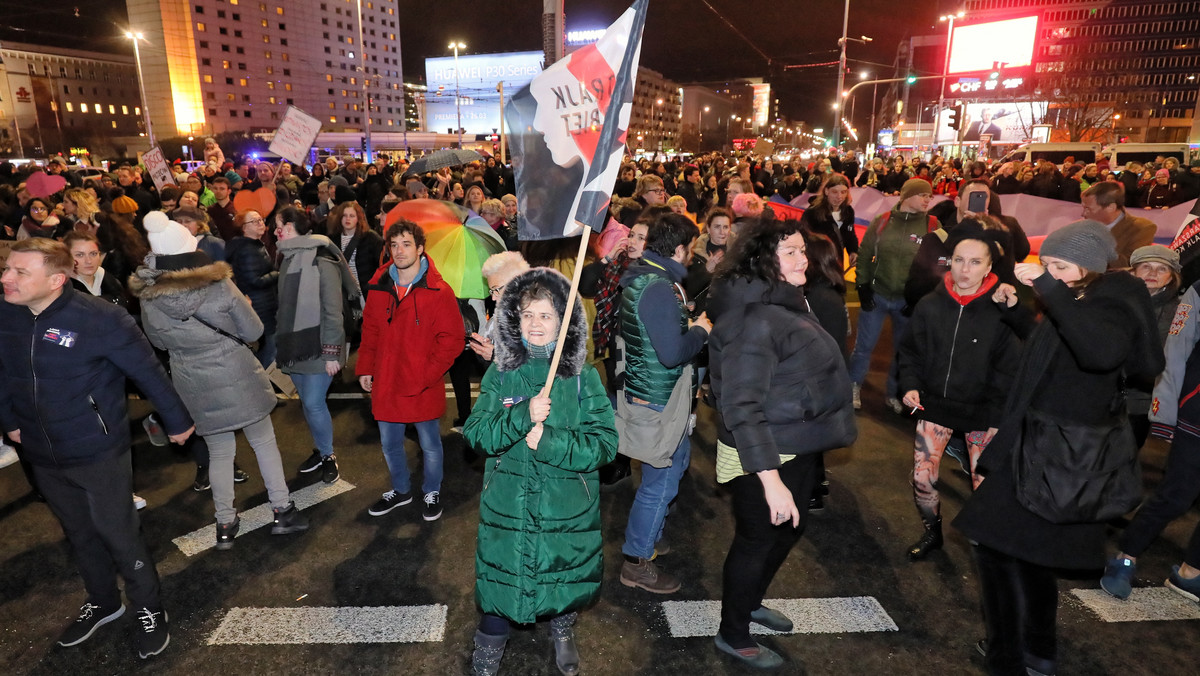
x,y
41,184
261,200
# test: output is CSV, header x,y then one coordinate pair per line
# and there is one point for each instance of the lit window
x,y
137,110
279,11
270,70
331,117
287,86
263,23
242,82
200,27
267,53
328,77
124,109
270,99
114,124
230,97
270,85
70,107
226,65
83,107
112,110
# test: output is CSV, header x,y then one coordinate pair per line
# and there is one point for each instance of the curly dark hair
x,y
753,254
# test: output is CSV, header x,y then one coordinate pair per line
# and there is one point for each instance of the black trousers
x,y
1179,489
759,548
1020,609
94,505
460,380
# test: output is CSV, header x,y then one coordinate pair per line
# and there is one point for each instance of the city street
x,y
394,594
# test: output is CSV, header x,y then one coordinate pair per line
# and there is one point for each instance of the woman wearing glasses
x,y
255,276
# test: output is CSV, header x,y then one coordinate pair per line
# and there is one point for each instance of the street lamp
x,y
700,128
937,120
457,101
137,57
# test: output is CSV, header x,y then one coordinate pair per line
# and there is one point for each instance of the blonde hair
x,y
504,266
85,203
674,200
494,205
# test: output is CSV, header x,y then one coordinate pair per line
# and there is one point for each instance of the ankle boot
x,y
288,520
489,650
931,540
566,654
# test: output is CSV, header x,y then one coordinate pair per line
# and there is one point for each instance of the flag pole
x,y
566,320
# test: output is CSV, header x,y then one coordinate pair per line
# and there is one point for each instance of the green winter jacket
x,y
888,249
539,542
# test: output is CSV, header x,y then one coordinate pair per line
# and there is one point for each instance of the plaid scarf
x,y
608,313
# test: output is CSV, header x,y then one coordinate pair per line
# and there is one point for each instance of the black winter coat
x,y
828,305
844,236
960,358
367,248
255,276
62,380
1107,331
780,381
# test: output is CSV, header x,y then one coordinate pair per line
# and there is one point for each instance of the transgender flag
x,y
568,130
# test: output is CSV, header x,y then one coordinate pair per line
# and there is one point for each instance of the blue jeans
x,y
870,324
659,487
430,435
312,388
266,349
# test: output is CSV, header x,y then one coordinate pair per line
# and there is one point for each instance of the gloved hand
x,y
866,298
1162,431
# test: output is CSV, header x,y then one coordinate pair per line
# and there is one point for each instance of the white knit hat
x,y
166,236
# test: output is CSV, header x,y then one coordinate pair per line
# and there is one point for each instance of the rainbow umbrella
x,y
456,238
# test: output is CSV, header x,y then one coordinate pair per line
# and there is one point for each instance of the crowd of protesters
x,y
693,294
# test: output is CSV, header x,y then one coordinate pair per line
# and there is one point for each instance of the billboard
x,y
1006,122
762,106
978,47
478,75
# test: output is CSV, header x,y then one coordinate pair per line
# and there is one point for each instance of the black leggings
x,y
1020,609
460,379
759,547
1172,499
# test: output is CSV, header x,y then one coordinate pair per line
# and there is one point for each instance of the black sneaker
x,y
329,469
91,617
226,532
312,464
201,483
239,477
388,502
433,506
288,520
152,635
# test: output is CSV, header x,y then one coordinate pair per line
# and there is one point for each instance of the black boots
x,y
566,655
931,540
489,650
288,520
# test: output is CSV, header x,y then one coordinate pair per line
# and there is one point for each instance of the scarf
x,y
298,335
539,351
607,300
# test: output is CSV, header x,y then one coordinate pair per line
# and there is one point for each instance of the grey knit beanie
x,y
1087,244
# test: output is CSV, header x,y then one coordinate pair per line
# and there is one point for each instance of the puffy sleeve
x,y
590,444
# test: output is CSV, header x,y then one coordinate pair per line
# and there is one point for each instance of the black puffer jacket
x,y
255,276
844,237
780,380
961,358
62,380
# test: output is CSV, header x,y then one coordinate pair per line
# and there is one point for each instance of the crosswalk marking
x,y
378,624
252,519
1145,604
810,616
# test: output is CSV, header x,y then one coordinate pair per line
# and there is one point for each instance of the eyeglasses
x,y
662,190
495,290
38,209
253,220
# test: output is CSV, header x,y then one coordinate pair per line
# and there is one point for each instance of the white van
x,y
1121,154
1054,152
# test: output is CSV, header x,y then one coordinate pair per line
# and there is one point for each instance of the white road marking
x,y
810,616
364,395
1145,604
252,519
380,624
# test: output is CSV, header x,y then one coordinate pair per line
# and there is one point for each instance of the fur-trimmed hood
x,y
178,291
510,351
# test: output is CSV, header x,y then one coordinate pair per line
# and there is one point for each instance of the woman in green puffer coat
x,y
539,545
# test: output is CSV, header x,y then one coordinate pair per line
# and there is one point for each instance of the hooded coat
x,y
539,551
220,380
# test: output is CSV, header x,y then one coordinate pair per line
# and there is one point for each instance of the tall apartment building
x,y
236,65
53,100
655,121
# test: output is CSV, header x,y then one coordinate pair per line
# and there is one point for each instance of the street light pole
x,y
137,57
700,129
937,118
841,79
362,52
457,100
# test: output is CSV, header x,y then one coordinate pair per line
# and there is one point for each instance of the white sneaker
x,y
8,455
139,501
856,395
894,404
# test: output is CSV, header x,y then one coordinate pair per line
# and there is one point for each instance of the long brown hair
x,y
126,239
824,261
334,221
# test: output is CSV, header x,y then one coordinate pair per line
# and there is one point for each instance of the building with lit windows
x,y
655,119
55,99
236,65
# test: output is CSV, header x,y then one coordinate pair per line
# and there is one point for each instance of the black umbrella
x,y
443,158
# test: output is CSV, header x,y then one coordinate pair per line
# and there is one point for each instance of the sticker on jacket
x,y
1181,318
509,402
60,337
915,239
1154,407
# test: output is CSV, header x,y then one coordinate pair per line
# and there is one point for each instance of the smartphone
x,y
977,202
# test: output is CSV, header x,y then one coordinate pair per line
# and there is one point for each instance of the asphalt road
x,y
349,560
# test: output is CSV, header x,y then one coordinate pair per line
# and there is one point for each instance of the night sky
x,y
684,39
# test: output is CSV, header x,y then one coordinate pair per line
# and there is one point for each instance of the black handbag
x,y
1076,473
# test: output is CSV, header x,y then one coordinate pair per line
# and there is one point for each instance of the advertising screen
x,y
977,47
762,105
1006,122
477,79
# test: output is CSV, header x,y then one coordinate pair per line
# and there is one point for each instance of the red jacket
x,y
409,342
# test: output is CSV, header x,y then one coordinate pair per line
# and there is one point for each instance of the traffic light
x,y
956,118
911,79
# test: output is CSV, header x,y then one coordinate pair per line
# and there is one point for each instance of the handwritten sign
x,y
295,135
160,171
5,248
